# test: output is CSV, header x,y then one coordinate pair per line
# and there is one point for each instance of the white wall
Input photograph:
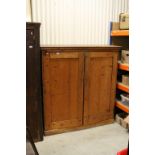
x,y
71,22
119,6
28,11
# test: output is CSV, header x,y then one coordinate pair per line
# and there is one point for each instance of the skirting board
x,y
58,131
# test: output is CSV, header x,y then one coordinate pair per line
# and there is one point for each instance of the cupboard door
x,y
63,89
100,83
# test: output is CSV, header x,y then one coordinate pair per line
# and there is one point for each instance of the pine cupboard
x,y
78,86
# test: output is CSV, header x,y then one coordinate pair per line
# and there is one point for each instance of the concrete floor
x,y
102,140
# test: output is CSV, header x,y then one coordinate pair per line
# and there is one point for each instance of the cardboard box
x,y
124,21
125,79
124,124
125,57
115,26
127,119
120,120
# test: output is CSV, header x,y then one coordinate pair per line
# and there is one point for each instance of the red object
x,y
123,152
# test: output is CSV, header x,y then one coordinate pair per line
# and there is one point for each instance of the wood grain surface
x,y
79,86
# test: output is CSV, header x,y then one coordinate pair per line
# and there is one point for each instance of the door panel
x,y
98,87
63,89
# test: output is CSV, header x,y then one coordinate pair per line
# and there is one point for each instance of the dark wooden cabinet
x,y
33,82
78,86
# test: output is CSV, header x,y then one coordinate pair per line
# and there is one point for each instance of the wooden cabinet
x,y
79,86
33,82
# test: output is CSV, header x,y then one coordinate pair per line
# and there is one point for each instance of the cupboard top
x,y
106,48
30,25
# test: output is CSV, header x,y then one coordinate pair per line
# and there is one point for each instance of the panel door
x,y
100,84
63,89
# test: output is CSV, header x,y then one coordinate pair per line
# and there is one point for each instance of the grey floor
x,y
102,140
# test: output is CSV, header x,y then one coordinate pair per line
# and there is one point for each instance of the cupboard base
x,y
58,131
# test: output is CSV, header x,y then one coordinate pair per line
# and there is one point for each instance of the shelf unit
x,y
122,66
122,106
120,33
120,38
123,87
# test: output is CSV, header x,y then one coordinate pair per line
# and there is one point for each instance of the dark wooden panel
x,y
100,75
30,146
121,41
63,89
33,82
